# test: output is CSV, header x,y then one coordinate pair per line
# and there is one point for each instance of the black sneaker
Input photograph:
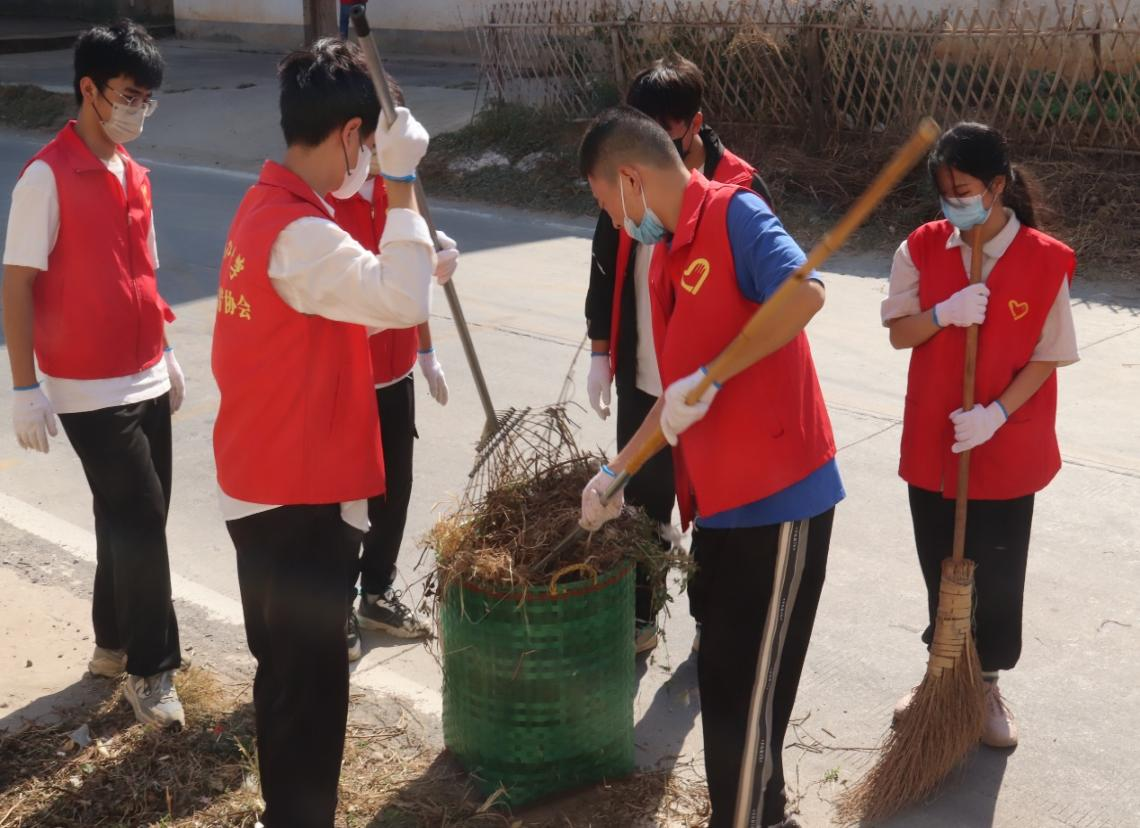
x,y
352,637
387,613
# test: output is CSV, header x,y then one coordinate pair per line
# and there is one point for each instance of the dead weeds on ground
x,y
205,776
30,107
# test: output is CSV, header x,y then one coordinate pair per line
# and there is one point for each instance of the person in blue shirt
x,y
758,457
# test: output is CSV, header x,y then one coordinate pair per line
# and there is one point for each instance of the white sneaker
x,y
155,699
1000,729
107,663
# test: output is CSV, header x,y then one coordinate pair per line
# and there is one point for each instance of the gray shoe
x,y
387,613
645,637
155,699
107,663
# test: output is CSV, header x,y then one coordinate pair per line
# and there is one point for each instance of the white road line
x,y
80,543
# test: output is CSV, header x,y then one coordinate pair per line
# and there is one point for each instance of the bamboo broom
x,y
944,720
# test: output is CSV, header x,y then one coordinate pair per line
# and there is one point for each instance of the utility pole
x,y
320,19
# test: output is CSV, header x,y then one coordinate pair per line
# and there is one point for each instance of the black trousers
x,y
652,488
737,574
293,563
126,455
388,513
997,540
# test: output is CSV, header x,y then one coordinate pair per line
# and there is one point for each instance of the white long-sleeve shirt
x,y
317,268
1058,342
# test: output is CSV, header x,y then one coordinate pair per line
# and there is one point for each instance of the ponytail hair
x,y
980,151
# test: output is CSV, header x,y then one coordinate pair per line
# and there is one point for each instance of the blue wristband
x,y
934,315
399,179
168,349
26,387
599,353
1002,407
716,384
427,351
608,470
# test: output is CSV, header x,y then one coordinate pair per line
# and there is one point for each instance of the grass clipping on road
x,y
205,776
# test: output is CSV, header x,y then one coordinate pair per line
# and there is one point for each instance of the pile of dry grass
x,y
504,537
206,776
131,775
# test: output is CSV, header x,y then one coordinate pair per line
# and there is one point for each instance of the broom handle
x,y
963,494
735,358
376,69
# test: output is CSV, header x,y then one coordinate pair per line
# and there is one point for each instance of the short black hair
x,y
123,48
669,89
322,88
623,135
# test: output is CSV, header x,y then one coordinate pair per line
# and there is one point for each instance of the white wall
x,y
259,12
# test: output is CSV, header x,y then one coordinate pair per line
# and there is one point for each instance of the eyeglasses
x,y
149,105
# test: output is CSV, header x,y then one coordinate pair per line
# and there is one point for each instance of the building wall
x,y
406,26
145,11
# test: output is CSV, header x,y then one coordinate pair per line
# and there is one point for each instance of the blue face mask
x,y
650,230
966,213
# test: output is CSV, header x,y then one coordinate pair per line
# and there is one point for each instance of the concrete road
x,y
522,281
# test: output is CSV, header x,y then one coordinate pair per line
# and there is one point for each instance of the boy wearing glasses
x,y
81,299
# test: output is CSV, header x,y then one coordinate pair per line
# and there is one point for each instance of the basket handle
x,y
566,570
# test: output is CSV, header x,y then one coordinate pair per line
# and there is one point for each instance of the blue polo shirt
x,y
765,256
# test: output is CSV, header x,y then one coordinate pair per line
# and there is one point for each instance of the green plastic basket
x,y
538,685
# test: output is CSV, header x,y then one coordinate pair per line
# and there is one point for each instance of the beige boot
x,y
1000,727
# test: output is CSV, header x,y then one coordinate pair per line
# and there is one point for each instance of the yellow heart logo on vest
x,y
1019,310
702,268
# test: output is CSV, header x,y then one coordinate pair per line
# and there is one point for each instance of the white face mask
x,y
125,123
354,179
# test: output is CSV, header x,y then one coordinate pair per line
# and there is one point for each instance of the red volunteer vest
x,y
1023,456
393,350
98,311
768,427
731,169
297,422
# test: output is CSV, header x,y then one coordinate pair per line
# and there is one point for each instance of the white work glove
x,y
33,418
598,384
446,258
677,415
433,373
976,426
594,512
965,308
401,146
177,381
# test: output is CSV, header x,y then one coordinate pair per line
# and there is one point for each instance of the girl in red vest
x,y
1026,331
81,299
395,352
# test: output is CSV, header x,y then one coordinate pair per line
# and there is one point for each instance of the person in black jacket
x,y
618,318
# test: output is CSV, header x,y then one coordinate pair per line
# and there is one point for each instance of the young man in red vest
x,y
758,458
670,91
80,294
395,353
297,438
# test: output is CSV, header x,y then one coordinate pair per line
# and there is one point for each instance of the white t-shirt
x,y
648,373
33,227
1058,342
317,268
